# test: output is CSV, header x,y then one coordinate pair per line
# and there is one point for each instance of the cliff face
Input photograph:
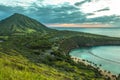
x,y
81,41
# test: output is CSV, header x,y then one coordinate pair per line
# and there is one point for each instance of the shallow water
x,y
108,56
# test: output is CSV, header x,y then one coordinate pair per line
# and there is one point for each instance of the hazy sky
x,y
72,12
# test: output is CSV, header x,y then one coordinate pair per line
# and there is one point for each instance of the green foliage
x,y
18,24
87,41
118,77
31,51
39,44
22,62
19,68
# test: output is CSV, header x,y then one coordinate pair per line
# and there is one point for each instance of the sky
x,y
66,13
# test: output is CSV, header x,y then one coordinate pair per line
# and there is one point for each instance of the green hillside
x,y
19,24
29,58
43,54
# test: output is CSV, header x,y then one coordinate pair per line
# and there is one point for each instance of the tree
x,y
118,77
40,44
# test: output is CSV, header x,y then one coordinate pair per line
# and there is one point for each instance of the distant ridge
x,y
19,23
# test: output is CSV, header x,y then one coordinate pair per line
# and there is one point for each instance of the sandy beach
x,y
103,72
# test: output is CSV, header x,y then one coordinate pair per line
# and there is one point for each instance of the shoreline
x,y
105,73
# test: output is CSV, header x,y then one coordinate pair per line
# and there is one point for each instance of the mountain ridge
x,y
19,23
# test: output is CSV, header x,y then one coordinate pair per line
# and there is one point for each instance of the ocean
x,y
113,32
107,56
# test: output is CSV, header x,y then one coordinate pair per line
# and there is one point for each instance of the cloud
x,y
80,25
6,11
89,14
104,9
82,2
61,11
27,3
14,3
44,13
105,19
65,13
110,7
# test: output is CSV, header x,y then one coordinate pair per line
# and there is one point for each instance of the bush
x,y
41,44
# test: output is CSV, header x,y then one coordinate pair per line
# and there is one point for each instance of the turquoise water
x,y
114,32
108,56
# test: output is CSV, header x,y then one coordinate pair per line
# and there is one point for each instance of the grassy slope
x,y
36,56
18,62
19,68
19,24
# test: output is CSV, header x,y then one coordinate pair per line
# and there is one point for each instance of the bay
x,y
107,56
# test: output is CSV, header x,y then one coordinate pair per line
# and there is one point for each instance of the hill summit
x,y
19,23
